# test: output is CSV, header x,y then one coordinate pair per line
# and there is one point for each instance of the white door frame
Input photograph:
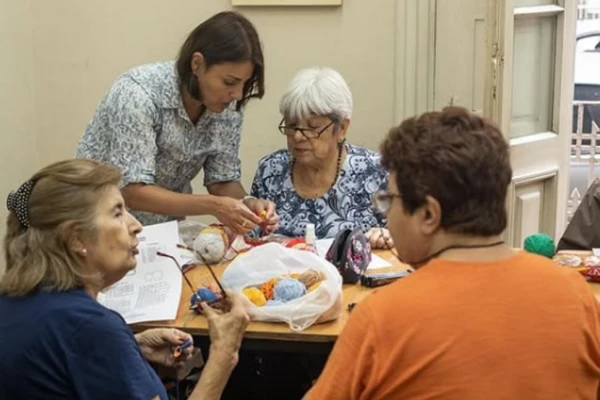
x,y
498,104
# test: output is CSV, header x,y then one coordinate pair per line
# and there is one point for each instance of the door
x,y
460,54
529,87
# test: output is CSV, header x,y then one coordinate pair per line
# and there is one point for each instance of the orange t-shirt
x,y
521,328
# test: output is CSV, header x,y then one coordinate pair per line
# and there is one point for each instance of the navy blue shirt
x,y
65,345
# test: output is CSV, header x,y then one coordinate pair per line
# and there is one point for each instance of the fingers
x,y
209,312
271,211
234,300
248,215
181,337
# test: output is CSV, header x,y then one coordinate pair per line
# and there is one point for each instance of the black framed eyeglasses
x,y
309,133
382,201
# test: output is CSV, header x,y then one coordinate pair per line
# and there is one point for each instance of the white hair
x,y
319,91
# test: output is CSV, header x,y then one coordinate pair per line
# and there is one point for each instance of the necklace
x,y
451,247
337,169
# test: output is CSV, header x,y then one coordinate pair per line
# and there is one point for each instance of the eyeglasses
x,y
197,306
309,133
382,201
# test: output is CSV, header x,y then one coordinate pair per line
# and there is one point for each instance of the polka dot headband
x,y
18,201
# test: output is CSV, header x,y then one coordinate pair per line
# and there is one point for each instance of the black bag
x,y
350,253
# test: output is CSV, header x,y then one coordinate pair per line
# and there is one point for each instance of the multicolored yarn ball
x,y
540,243
273,303
268,287
255,296
289,289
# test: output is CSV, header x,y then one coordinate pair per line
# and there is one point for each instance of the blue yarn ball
x,y
274,303
205,295
289,289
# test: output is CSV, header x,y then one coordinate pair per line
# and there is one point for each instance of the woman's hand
x,y
157,346
236,215
380,239
265,210
226,329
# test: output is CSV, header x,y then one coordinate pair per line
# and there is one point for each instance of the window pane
x,y
533,75
529,3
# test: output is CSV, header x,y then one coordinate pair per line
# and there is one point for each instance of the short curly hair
x,y
458,158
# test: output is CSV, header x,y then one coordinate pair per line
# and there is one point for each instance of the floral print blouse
x,y
346,205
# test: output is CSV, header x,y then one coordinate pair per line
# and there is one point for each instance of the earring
x,y
84,252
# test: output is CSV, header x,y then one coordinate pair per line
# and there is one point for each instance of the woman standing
x,y
162,123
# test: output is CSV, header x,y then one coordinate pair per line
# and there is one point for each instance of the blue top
x,y
142,128
346,205
65,345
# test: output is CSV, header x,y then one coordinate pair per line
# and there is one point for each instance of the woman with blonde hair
x,y
68,237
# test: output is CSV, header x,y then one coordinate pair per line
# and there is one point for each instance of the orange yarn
x,y
268,287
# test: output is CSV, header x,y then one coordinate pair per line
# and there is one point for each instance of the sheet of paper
x,y
376,262
596,252
150,292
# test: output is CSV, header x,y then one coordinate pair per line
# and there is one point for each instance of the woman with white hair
x,y
321,179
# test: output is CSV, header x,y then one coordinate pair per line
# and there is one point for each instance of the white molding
x,y
414,57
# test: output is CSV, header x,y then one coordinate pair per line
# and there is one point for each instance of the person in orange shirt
x,y
477,319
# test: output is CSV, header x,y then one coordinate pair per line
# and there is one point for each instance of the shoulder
x,y
76,308
360,158
358,151
277,158
157,81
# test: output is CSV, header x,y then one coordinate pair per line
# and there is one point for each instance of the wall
x,y
18,151
61,56
82,46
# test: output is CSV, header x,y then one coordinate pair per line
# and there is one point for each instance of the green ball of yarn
x,y
540,243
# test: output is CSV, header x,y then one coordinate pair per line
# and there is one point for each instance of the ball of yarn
x,y
255,296
212,243
310,277
539,243
289,289
274,303
268,287
205,295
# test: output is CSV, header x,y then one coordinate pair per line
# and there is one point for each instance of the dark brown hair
x,y
225,37
63,200
458,158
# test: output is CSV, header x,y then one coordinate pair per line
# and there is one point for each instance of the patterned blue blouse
x,y
142,128
346,205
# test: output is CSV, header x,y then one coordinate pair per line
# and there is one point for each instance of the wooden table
x,y
595,286
320,333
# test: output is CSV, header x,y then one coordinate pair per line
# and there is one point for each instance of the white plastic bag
x,y
273,260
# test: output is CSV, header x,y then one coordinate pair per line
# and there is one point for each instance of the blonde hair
x,y
63,201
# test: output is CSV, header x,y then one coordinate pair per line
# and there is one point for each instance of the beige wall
x,y
18,151
80,47
64,54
